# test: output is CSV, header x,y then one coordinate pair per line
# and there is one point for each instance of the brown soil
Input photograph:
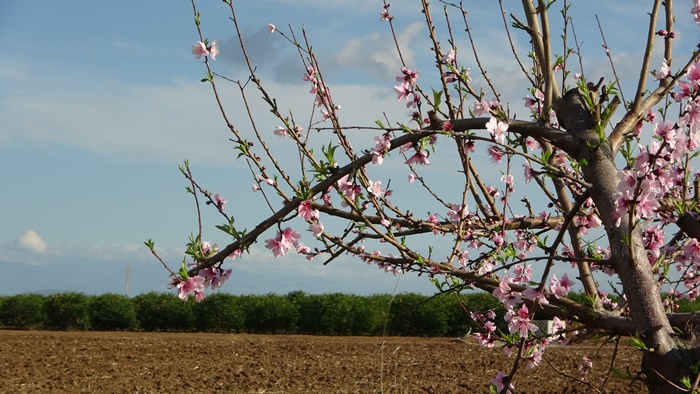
x,y
119,362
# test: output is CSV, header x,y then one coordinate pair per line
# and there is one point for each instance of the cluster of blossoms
x,y
322,93
406,90
536,104
382,144
657,177
284,241
658,171
696,11
202,49
283,132
213,277
311,215
495,127
450,76
421,155
588,218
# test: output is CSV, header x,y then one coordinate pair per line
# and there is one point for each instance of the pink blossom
x,y
522,273
316,229
407,76
553,120
528,172
432,218
450,76
534,354
683,94
213,50
504,294
457,212
411,178
402,91
375,188
306,210
532,144
277,247
481,107
220,202
520,321
497,129
560,288
413,102
627,181
647,205
261,178
450,57
325,114
191,286
496,153
566,282
271,28
531,104
500,382
693,73
421,157
691,117
666,131
663,72
486,340
406,147
508,180
285,240
208,249
199,49
384,16
534,294
382,145
215,276
587,365
463,258
280,131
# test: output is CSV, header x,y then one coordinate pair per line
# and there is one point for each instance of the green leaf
x,y
437,98
686,382
636,342
183,271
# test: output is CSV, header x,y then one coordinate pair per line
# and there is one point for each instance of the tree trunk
x,y
668,358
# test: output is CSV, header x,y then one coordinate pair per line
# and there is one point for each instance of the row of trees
x,y
409,314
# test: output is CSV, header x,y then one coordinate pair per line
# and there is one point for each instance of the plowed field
x,y
119,362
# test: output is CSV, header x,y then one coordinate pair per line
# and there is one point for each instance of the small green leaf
x,y
183,271
636,342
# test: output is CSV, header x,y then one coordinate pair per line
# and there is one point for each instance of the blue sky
x,y
101,101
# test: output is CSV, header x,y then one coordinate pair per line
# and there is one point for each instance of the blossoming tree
x,y
617,198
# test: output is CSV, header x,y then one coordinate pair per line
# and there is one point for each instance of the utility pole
x,y
127,280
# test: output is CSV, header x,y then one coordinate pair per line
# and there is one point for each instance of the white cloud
x,y
376,53
31,241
